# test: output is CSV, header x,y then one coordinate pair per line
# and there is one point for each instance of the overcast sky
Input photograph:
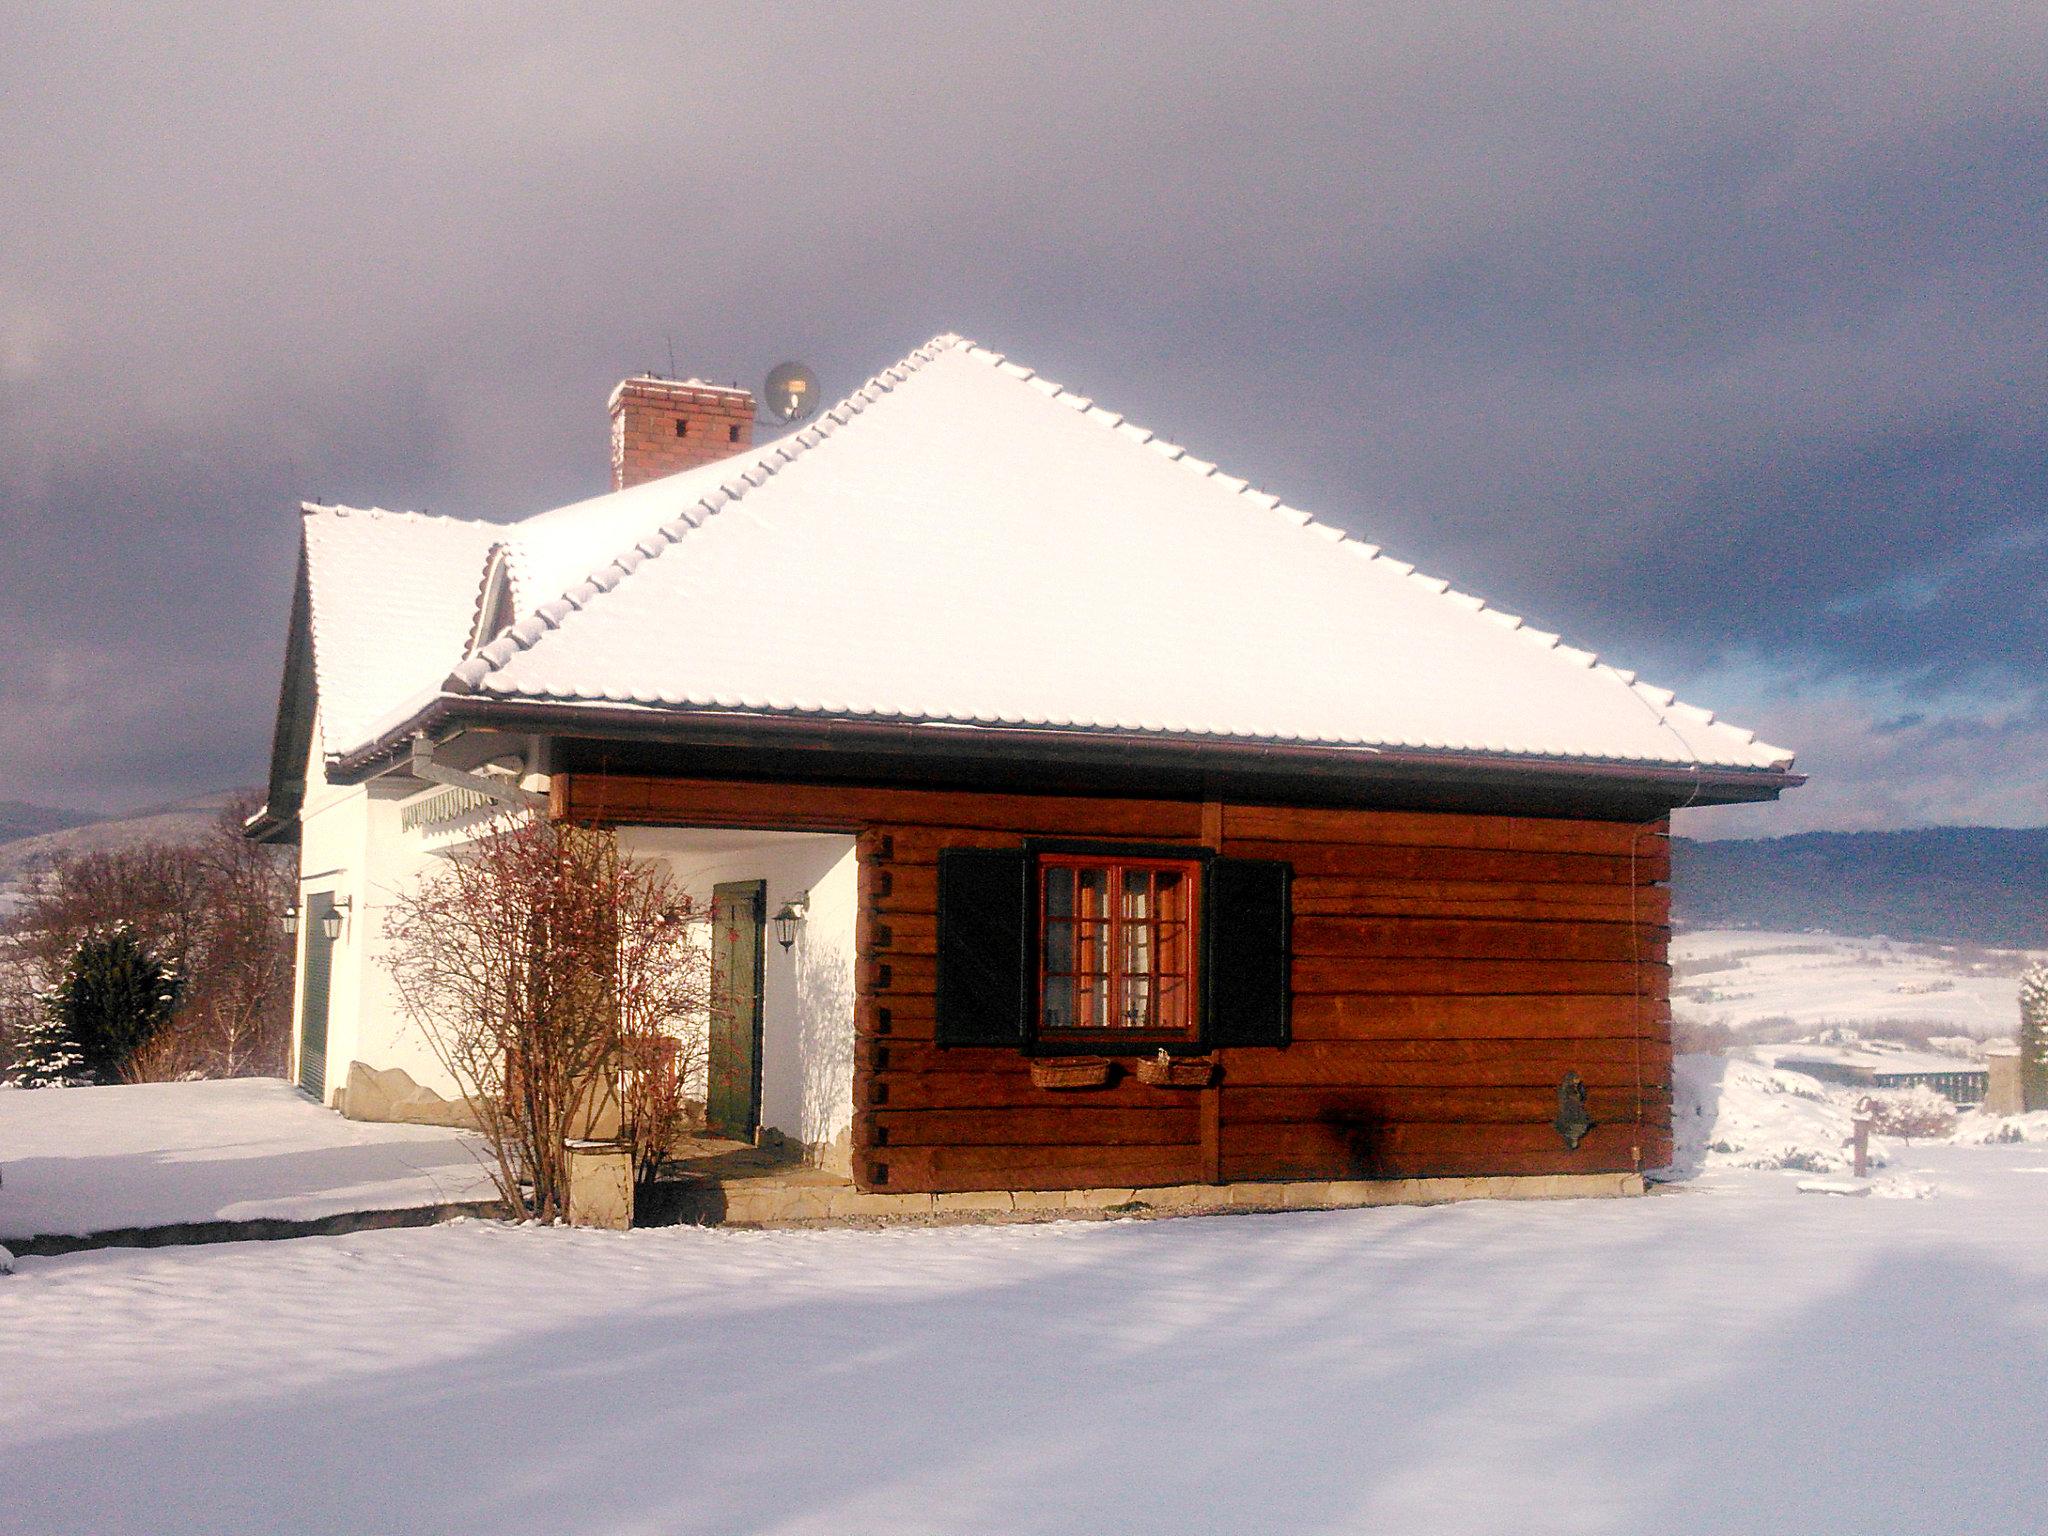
x,y
1715,342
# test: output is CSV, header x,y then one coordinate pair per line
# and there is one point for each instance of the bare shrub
x,y
1708,1038
557,982
1910,1112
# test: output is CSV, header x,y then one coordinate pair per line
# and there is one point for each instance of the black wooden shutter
x,y
1249,945
983,900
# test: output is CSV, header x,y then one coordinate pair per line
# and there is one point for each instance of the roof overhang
x,y
1667,785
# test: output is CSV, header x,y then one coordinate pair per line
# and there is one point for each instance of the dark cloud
x,y
1714,344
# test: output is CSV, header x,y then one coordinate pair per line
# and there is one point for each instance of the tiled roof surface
x,y
961,541
393,600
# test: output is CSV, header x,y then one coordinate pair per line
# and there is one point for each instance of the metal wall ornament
x,y
1572,1120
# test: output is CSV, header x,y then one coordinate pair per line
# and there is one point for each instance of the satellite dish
x,y
792,391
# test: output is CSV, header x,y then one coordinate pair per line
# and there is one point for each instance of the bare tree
x,y
209,908
558,983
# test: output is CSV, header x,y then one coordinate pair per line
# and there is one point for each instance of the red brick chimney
x,y
663,426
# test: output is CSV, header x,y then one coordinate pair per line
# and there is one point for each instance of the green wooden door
x,y
733,1092
315,975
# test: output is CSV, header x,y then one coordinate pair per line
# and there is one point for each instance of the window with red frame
x,y
1117,947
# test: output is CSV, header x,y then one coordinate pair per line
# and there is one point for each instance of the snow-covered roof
x,y
393,598
961,542
1878,1056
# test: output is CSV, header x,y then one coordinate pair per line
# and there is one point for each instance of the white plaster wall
x,y
351,845
396,860
807,992
333,832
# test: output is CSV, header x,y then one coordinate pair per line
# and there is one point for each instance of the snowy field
x,y
1728,1356
79,1160
1755,981
1734,1358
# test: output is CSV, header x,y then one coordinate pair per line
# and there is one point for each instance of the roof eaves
x,y
430,710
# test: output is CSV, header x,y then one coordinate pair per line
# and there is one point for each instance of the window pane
x,y
1137,955
1137,1012
1091,1004
1092,949
1093,892
1137,895
1059,891
1170,895
1059,1003
1059,948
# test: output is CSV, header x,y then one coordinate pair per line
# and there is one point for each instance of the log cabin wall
x,y
1447,971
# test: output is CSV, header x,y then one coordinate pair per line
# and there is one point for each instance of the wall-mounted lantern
x,y
288,920
330,921
790,916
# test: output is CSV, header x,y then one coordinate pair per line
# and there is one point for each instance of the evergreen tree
x,y
115,995
2034,1037
47,1056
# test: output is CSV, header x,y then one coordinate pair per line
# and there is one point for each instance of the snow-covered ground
x,y
1754,981
1728,1356
1734,1358
77,1160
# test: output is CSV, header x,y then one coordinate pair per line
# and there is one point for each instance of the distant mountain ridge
x,y
185,822
20,819
1975,885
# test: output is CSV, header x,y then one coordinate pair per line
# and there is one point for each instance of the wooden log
x,y
1321,973
1029,1126
1438,830
1450,939
1412,1149
1447,1063
1369,862
953,1168
1611,911
897,975
1558,1015
1523,1104
1536,894
1002,1090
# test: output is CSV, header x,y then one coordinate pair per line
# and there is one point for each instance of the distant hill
x,y
1980,885
184,822
19,819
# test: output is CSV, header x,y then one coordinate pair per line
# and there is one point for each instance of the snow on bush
x,y
1979,1129
1736,1114
1917,1112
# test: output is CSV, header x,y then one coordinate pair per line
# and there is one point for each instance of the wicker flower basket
x,y
1164,1071
1071,1071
